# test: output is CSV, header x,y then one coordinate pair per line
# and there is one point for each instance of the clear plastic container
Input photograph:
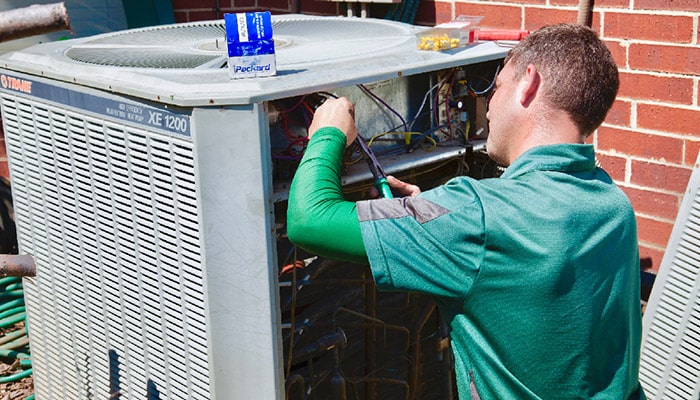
x,y
459,32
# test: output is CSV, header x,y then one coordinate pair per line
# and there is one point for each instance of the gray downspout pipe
x,y
585,12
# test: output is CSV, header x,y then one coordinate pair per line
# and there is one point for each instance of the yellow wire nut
x,y
438,42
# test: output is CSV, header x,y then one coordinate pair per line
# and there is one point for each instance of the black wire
x,y
488,89
385,104
328,94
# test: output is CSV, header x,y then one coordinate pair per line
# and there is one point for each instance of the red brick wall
x,y
199,10
651,140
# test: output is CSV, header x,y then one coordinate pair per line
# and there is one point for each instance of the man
x,y
537,271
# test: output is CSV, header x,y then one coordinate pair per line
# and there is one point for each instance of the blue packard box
x,y
251,48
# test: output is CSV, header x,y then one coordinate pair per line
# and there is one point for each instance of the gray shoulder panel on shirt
x,y
420,209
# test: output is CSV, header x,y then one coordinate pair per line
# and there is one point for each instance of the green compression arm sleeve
x,y
319,219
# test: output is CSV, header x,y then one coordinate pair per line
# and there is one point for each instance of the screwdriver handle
x,y
501,34
384,189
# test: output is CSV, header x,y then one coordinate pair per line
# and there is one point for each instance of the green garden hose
x,y
14,343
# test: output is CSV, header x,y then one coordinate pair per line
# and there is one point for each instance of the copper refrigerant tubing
x,y
17,265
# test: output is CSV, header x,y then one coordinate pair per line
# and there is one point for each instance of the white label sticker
x,y
242,27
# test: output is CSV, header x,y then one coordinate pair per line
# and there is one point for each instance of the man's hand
x,y
338,113
401,188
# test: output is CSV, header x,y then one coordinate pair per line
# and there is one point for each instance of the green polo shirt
x,y
537,271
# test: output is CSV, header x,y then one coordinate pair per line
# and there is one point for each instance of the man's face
x,y
501,115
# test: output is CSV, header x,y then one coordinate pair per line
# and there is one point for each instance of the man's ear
x,y
530,85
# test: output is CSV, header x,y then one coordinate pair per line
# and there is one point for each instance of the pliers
x,y
380,181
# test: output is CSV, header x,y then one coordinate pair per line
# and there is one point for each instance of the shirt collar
x,y
557,157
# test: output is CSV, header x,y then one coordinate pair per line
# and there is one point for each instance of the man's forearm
x,y
318,217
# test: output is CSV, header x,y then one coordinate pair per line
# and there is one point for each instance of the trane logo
x,y
251,68
20,85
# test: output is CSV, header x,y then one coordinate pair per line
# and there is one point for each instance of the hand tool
x,y
380,181
501,34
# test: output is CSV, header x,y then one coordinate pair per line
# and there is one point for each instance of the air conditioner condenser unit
x,y
145,189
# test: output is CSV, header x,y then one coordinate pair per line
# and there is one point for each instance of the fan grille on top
x,y
203,45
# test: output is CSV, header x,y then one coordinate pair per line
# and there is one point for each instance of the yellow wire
x,y
407,136
431,147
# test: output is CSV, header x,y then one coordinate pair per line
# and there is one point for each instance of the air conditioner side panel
x,y
669,367
233,160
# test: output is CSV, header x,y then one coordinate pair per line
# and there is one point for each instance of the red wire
x,y
289,267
